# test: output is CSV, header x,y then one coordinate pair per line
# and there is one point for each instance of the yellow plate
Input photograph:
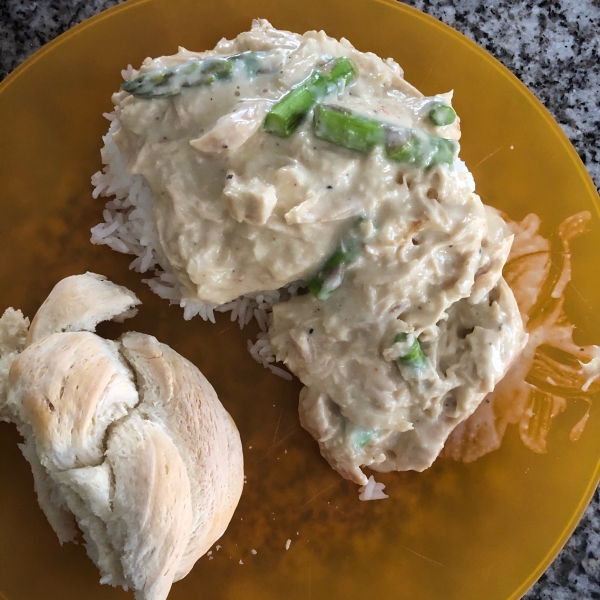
x,y
456,532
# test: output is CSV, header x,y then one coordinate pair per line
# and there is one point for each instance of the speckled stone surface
x,y
552,46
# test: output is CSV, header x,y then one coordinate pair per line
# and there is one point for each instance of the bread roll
x,y
127,439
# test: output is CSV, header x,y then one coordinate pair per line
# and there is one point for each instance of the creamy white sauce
x,y
239,210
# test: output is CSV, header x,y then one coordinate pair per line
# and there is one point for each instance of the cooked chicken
x,y
278,158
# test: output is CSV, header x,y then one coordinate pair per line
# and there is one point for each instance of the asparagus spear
x,y
419,149
362,437
442,114
443,151
405,147
345,128
341,71
331,274
414,357
169,81
348,129
287,114
258,62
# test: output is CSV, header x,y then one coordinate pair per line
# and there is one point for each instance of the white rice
x,y
372,491
129,227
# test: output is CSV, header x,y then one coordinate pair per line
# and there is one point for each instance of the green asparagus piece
x,y
419,149
444,151
415,357
442,114
286,115
362,437
169,81
348,129
331,274
257,62
408,151
342,70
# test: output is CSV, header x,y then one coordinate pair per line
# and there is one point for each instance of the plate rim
x,y
493,63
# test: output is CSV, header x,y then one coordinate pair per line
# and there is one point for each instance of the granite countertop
x,y
552,46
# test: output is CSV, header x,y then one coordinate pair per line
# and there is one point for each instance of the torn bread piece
x,y
126,440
